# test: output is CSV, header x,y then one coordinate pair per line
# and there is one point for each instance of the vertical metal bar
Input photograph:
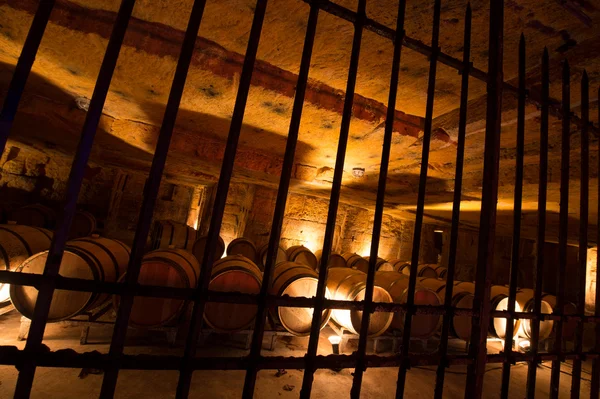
x,y
583,231
595,388
380,202
489,199
514,267
460,157
185,376
541,232
22,69
284,184
150,195
46,291
334,200
563,227
435,50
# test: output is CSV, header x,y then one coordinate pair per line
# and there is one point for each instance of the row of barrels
x,y
37,215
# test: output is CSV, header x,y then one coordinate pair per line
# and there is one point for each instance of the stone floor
x,y
378,383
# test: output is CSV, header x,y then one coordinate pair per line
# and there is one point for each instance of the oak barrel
x,y
18,243
499,301
335,259
91,258
525,300
399,265
441,271
422,271
569,326
83,225
168,268
262,256
296,280
36,215
381,265
350,285
200,244
244,247
171,234
461,325
396,284
356,261
234,273
303,255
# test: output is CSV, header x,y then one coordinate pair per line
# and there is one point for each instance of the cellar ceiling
x,y
58,92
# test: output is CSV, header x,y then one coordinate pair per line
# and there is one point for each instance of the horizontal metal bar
x,y
68,358
82,285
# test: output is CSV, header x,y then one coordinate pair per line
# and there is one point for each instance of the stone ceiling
x,y
63,78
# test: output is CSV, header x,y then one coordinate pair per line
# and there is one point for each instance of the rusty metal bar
x,y
84,148
22,70
380,203
313,341
460,158
489,198
595,388
516,239
541,232
150,195
421,48
563,229
410,300
185,376
583,230
282,193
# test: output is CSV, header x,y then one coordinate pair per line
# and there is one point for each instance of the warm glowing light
x,y
524,344
313,246
335,339
196,225
4,292
365,250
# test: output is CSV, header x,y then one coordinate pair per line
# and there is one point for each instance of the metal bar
x,y
282,193
150,195
595,388
422,48
185,376
410,300
460,157
514,266
22,70
583,230
489,199
380,203
541,232
562,235
46,291
334,200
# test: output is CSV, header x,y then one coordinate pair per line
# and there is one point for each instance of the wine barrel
x,y
396,284
244,247
335,259
262,256
381,265
92,258
296,280
357,262
350,284
441,271
525,300
36,215
399,265
83,225
460,326
234,273
422,271
499,301
303,255
168,268
18,243
171,234
200,244
569,327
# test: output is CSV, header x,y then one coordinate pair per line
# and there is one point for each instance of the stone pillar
x,y
590,281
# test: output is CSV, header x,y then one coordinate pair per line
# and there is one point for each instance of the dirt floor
x,y
378,383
